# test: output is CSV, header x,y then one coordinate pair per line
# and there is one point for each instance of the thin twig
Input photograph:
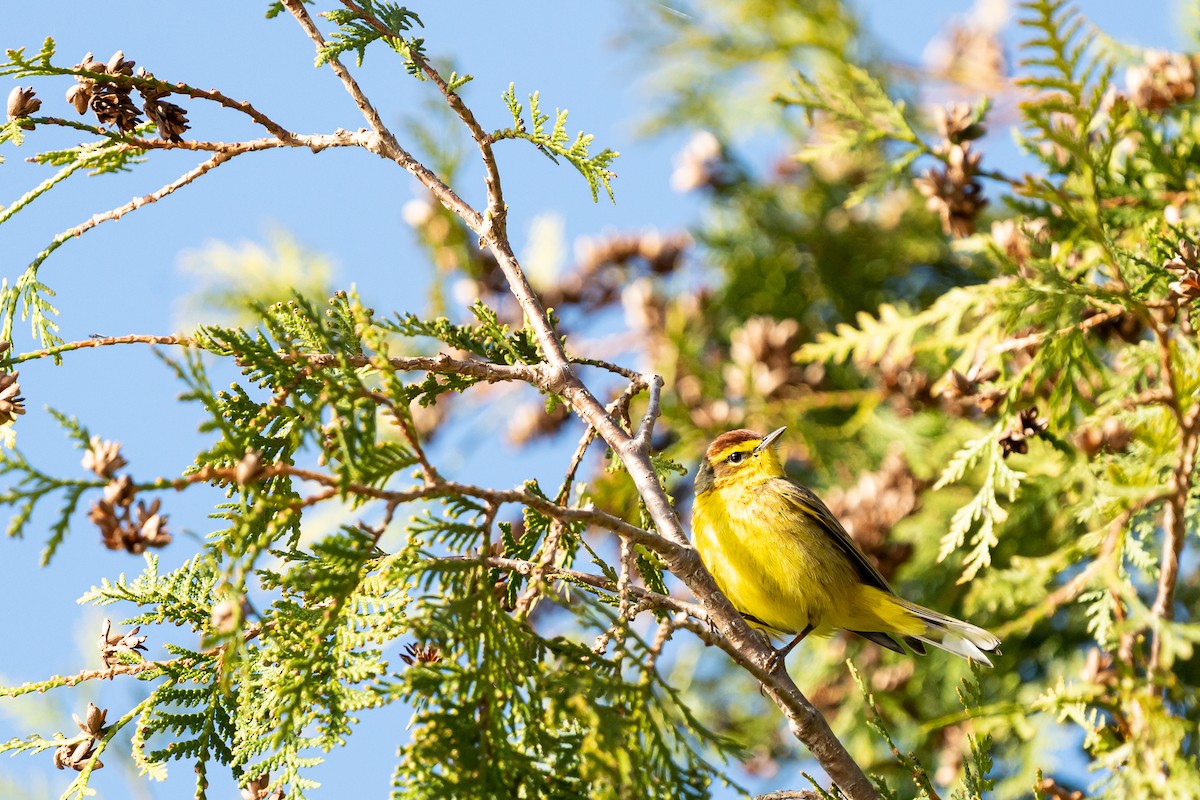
x,y
497,210
545,560
490,510
141,82
440,363
385,144
1071,589
653,409
1174,513
624,581
215,161
620,402
564,491
588,515
368,110
137,668
125,143
102,341
624,372
652,599
408,432
1010,345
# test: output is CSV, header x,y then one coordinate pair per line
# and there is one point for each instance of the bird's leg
x,y
782,653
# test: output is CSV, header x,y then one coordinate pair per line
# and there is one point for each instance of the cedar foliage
x,y
1021,399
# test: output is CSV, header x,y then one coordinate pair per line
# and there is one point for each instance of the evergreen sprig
x,y
557,143
490,339
864,115
33,486
371,21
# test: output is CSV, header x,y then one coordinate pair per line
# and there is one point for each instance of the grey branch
x,y
556,376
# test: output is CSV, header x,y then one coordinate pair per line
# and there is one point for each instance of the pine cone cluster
x,y
12,404
115,645
22,103
1028,424
77,755
953,190
257,789
1162,80
122,525
871,508
113,104
1186,286
761,352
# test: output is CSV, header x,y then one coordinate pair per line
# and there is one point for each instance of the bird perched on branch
x,y
789,566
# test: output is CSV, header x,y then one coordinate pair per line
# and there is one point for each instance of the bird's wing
x,y
808,502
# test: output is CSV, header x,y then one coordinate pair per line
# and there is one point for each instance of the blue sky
x,y
125,277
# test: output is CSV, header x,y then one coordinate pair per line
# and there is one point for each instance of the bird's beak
x,y
769,439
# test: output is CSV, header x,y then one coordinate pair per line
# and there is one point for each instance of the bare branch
x,y
652,599
653,410
588,515
497,210
215,161
121,143
102,341
385,144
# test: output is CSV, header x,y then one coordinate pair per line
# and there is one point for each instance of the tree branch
x,y
386,144
215,161
557,377
588,515
527,568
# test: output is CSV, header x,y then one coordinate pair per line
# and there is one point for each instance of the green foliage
x,y
984,508
490,339
975,781
20,66
276,686
1070,308
937,331
507,713
557,143
374,20
864,116
34,486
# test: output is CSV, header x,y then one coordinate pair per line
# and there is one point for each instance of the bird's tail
x,y
953,635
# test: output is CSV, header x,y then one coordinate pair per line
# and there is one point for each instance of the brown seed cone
x,y
22,102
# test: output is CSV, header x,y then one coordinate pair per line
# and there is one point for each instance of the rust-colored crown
x,y
730,438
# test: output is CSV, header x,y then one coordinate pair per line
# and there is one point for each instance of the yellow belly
x,y
779,566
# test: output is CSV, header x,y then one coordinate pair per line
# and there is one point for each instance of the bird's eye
x,y
735,458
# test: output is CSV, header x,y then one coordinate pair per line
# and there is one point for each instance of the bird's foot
x,y
777,656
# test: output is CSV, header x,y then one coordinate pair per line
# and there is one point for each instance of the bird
x,y
785,562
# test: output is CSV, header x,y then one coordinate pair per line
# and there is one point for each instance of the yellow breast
x,y
770,560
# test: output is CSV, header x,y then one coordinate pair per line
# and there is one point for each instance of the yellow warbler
x,y
786,563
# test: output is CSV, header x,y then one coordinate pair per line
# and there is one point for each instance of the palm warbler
x,y
789,566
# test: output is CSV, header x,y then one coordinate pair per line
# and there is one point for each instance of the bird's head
x,y
740,456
